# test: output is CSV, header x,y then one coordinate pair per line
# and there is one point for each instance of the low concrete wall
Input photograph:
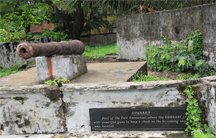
x,y
207,91
29,110
136,31
8,55
46,110
81,98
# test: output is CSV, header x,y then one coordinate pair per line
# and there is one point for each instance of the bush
x,y
194,126
178,57
55,36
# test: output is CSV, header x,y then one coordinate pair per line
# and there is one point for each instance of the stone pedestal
x,y
64,66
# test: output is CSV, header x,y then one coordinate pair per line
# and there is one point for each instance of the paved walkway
x,y
97,72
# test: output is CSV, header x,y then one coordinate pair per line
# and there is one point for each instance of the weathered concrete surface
x,y
45,110
65,66
28,110
79,98
29,136
97,72
136,31
207,98
122,134
111,72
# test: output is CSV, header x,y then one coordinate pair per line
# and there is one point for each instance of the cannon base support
x,y
65,66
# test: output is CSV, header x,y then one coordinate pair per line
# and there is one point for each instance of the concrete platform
x,y
110,72
97,72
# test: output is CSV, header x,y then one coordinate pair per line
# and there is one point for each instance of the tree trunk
x,y
78,22
72,24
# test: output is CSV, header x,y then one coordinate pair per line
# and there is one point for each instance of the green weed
x,y
181,76
188,76
10,70
194,127
56,82
143,77
178,57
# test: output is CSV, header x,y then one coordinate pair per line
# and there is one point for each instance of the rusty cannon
x,y
27,50
55,59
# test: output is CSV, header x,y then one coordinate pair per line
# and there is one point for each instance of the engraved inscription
x,y
137,119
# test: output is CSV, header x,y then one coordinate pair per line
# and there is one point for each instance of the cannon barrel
x,y
27,50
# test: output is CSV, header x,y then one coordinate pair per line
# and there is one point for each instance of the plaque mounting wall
x,y
137,119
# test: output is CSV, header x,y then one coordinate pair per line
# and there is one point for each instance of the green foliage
x,y
55,36
5,36
182,76
178,57
56,82
34,13
203,134
196,37
143,77
10,70
194,126
193,111
188,76
95,52
14,23
11,27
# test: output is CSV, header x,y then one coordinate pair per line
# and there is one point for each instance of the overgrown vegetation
x,y
15,22
194,127
56,82
52,35
73,17
143,77
178,57
184,57
96,52
10,70
180,76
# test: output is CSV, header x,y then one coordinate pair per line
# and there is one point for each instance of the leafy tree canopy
x,y
73,16
17,16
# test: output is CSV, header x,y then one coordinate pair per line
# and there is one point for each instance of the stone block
x,y
65,66
79,98
207,92
28,110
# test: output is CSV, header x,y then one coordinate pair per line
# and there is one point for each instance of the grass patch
x,y
181,76
10,70
96,52
143,77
